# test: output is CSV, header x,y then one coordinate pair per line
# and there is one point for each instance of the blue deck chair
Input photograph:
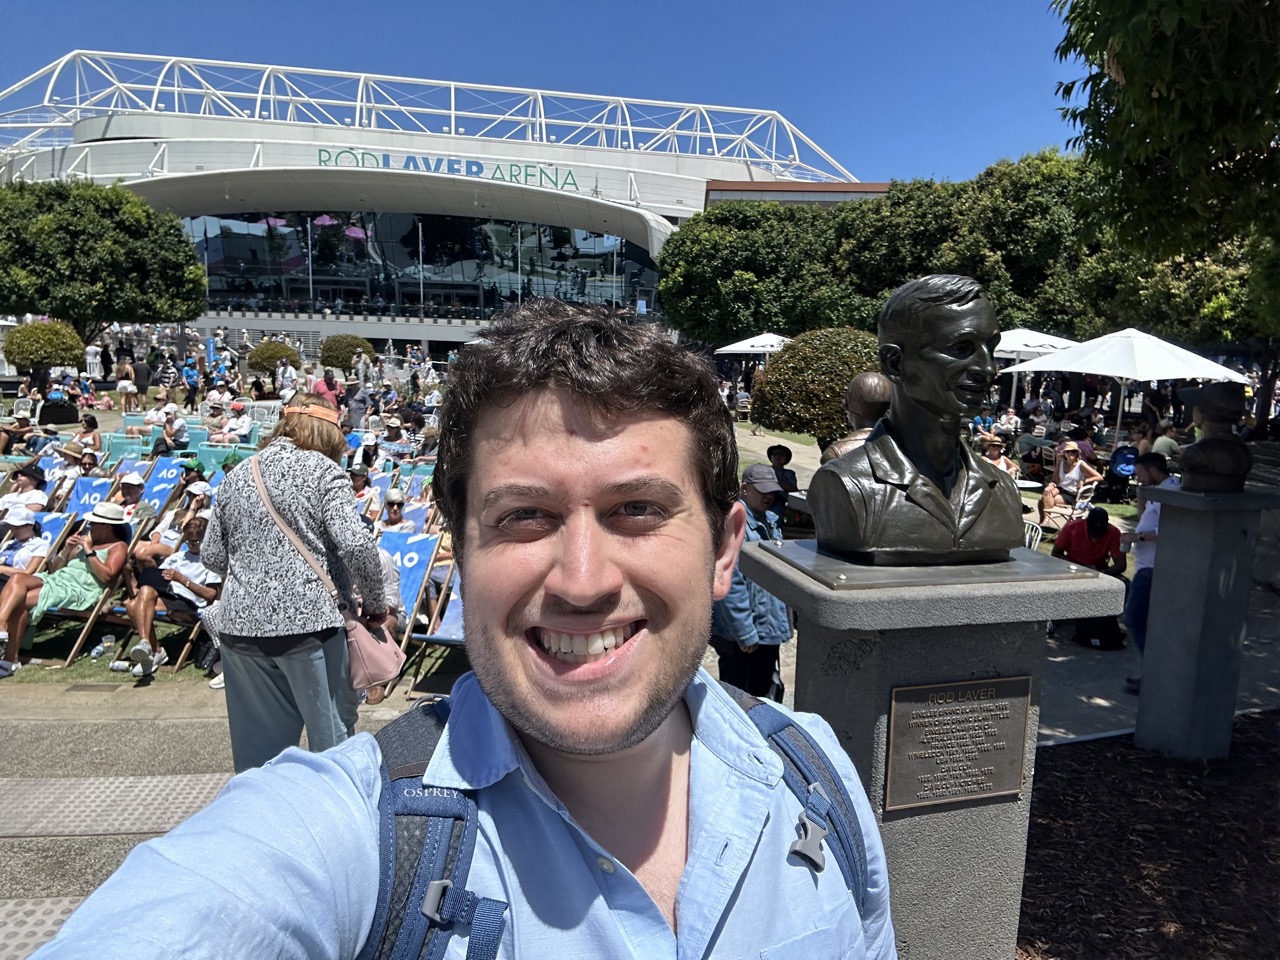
x,y
417,513
47,463
159,491
52,527
130,465
87,492
382,483
135,420
413,554
167,469
215,481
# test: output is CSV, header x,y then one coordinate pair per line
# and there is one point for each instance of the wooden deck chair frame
x,y
1055,518
122,618
430,638
92,615
411,615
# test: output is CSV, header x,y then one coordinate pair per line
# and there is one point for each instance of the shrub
x,y
39,346
265,356
339,350
802,387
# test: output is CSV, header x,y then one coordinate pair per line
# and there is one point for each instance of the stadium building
x,y
408,210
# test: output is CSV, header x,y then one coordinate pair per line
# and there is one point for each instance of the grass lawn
x,y
801,438
55,640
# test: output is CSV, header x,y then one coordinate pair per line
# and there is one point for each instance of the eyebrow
x,y
651,486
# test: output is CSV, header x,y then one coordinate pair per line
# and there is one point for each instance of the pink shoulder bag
x,y
374,658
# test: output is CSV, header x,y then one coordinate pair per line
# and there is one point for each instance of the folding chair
x,y
167,469
118,615
159,490
382,483
414,555
196,436
130,465
87,493
104,602
417,513
445,629
1055,518
1031,534
53,529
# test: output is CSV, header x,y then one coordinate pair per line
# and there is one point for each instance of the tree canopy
x,y
339,350
92,255
802,388
265,356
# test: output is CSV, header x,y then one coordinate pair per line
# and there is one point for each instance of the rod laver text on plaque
x,y
956,741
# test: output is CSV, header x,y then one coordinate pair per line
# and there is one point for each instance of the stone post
x,y
931,677
1199,600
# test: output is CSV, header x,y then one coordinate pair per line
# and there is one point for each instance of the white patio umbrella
x,y
1023,344
1129,356
761,343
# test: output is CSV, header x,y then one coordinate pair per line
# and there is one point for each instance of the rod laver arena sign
x,y
956,741
548,176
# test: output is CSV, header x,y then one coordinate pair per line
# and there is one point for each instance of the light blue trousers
x,y
270,700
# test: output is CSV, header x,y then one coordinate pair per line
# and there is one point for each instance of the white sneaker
x,y
9,668
150,667
141,652
218,682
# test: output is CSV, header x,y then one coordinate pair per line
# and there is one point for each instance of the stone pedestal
x,y
1199,600
946,661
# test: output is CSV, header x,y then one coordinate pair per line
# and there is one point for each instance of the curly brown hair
x,y
613,367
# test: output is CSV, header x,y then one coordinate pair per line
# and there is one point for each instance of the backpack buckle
x,y
436,891
812,826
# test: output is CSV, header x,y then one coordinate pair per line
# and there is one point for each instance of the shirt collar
x,y
478,747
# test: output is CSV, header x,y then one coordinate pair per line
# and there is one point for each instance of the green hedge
x,y
265,356
802,387
39,346
339,350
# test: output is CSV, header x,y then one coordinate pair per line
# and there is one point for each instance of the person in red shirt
x,y
1093,542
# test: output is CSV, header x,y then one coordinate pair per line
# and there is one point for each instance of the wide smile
x,y
582,648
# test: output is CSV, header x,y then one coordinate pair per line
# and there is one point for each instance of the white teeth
x,y
584,647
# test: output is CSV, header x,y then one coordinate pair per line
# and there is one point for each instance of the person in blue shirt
x,y
749,623
628,807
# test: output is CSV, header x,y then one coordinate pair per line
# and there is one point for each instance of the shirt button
x,y
606,864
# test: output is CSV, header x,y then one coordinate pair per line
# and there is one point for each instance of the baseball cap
x,y
170,408
359,470
19,516
200,489
762,477
238,407
133,479
194,466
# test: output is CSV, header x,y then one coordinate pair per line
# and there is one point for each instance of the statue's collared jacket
x,y
873,506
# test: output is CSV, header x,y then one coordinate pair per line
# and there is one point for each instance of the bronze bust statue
x,y
866,400
913,493
1219,461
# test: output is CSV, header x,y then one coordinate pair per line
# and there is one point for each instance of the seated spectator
x,y
1077,435
173,434
89,436
152,418
24,549
1009,424
394,445
219,394
1070,474
368,500
395,521
1094,543
67,470
89,466
194,501
80,572
15,432
236,428
130,498
993,453
27,491
45,438
182,585
982,424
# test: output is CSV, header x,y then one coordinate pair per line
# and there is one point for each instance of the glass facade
x,y
404,264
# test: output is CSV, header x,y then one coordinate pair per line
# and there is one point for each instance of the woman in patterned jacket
x,y
284,649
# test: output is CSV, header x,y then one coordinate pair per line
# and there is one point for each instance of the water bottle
x,y
108,640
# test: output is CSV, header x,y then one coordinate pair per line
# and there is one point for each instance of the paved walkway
x,y
89,770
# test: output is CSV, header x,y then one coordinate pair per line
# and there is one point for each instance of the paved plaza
x,y
90,769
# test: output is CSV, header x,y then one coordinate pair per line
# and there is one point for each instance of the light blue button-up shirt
x,y
285,862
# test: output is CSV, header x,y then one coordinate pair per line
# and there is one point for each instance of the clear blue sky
x,y
891,89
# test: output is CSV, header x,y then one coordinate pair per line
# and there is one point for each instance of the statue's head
x,y
867,399
937,339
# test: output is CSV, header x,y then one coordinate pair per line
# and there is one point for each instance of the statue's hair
x,y
908,307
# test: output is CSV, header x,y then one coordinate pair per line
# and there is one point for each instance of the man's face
x,y
946,369
758,502
130,492
591,536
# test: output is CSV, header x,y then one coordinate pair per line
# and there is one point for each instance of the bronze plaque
x,y
956,741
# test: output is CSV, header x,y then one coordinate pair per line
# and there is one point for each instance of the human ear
x,y
726,559
891,361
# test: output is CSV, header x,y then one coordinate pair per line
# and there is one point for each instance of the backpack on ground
x,y
427,835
